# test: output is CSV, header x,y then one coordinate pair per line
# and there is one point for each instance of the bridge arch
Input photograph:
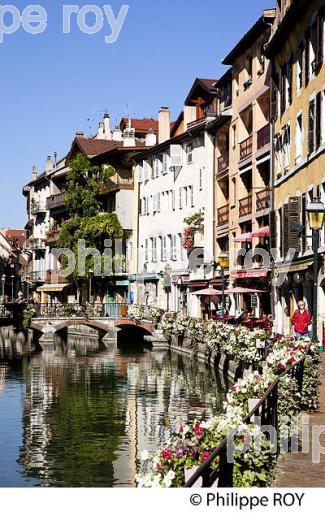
x,y
125,323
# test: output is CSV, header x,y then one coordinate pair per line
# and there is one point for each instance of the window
x,y
283,83
286,146
201,179
146,254
234,136
318,125
189,153
176,155
157,167
146,170
299,137
192,195
173,200
165,164
299,68
154,249
180,198
289,80
174,247
158,202
320,39
164,248
149,200
140,166
311,127
234,190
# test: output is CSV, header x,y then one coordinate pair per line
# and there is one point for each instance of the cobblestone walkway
x,y
297,469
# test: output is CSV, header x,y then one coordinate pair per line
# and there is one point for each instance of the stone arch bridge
x,y
108,328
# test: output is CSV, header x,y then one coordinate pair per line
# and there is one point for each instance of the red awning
x,y
262,232
245,237
255,273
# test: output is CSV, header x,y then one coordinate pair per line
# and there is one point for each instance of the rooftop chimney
x,y
164,125
100,133
151,138
79,133
49,164
117,134
107,127
34,173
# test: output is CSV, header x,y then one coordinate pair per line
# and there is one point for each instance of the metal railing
x,y
263,200
266,410
37,207
246,147
263,136
116,182
36,244
246,206
223,161
223,215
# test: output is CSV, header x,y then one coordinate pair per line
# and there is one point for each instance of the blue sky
x,y
52,83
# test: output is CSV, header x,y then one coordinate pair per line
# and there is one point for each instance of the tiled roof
x,y
142,125
92,147
209,83
14,236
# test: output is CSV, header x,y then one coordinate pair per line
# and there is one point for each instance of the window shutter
x,y
140,207
158,202
148,206
318,120
320,38
173,200
285,229
140,172
176,155
274,96
294,215
273,242
290,74
283,88
180,198
146,167
311,127
307,56
303,221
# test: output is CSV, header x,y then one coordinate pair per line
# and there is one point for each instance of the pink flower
x,y
205,456
166,454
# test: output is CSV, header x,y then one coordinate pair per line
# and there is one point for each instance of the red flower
x,y
158,467
166,454
205,456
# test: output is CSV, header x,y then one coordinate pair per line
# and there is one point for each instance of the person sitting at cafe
x,y
301,320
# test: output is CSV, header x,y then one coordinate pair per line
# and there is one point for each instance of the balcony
x,y
52,236
36,244
246,148
263,200
116,183
263,137
246,206
55,201
223,162
223,215
196,122
37,207
51,276
37,276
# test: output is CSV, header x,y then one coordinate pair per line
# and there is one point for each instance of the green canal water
x,y
79,413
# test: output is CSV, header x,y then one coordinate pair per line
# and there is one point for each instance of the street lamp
x,y
223,259
3,281
12,286
316,213
90,272
167,281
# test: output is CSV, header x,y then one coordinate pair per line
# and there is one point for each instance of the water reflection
x,y
87,411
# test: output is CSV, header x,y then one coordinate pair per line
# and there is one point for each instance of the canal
x,y
80,413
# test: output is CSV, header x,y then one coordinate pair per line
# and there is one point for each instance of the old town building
x,y
296,49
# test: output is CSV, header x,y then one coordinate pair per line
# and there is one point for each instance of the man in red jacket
x,y
301,321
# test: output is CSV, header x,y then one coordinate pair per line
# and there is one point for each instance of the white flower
x,y
168,479
145,455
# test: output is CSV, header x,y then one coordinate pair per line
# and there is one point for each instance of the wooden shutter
x,y
283,88
273,242
307,56
311,127
274,96
294,215
290,77
318,119
304,222
320,38
285,229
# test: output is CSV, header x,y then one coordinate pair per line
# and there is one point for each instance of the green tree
x,y
87,219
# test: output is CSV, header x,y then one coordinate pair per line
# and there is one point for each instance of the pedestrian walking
x,y
301,320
